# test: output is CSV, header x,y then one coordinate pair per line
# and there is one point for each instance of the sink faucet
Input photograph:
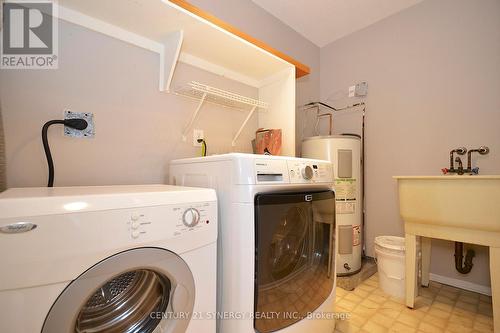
x,y
460,169
459,151
483,150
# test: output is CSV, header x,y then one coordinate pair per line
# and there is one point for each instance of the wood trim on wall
x,y
300,69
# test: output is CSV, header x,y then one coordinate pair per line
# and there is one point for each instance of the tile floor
x,y
439,308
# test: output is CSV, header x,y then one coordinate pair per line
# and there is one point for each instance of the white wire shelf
x,y
206,93
214,95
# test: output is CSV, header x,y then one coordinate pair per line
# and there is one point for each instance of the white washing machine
x,y
108,259
276,247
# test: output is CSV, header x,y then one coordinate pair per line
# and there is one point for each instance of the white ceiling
x,y
323,21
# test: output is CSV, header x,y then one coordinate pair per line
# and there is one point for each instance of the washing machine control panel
x,y
310,172
293,171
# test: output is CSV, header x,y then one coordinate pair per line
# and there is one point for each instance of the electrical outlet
x,y
197,134
352,91
89,132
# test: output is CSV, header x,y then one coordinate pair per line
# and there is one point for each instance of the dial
x,y
191,217
307,172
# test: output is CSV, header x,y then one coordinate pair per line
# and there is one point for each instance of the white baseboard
x,y
461,284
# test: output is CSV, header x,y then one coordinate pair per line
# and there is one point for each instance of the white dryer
x,y
276,254
108,259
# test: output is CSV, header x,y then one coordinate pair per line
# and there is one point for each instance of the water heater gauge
x,y
191,217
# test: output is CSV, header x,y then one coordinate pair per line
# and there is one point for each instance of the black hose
x,y
46,148
79,124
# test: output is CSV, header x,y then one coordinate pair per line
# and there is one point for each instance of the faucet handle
x,y
460,150
483,150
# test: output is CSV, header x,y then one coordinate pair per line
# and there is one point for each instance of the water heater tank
x,y
344,151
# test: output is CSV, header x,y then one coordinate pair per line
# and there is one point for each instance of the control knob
x,y
191,217
307,172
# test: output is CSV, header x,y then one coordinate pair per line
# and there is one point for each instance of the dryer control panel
x,y
192,218
172,220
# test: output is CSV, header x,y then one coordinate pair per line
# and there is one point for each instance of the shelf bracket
x,y
252,111
193,117
168,58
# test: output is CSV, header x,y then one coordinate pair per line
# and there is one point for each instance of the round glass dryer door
x,y
136,291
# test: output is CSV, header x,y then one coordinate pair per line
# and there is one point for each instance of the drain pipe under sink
x,y
460,265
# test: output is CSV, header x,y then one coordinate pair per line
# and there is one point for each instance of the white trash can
x,y
390,254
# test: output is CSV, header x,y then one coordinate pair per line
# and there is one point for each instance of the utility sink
x,y
455,201
456,208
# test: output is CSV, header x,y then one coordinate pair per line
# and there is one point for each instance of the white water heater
x,y
344,151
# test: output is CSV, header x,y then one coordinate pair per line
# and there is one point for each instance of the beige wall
x,y
434,84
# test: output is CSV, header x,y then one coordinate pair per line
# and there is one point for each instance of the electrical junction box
x,y
361,89
89,132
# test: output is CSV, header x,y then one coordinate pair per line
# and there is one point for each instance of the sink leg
x,y
495,286
411,269
425,244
